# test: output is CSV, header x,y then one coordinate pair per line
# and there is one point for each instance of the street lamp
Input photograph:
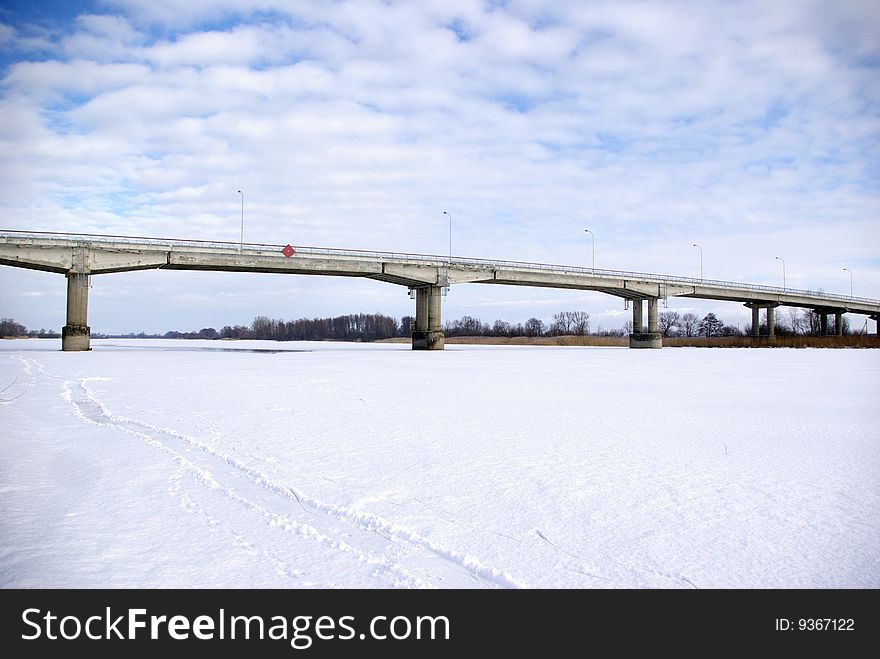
x,y
450,248
850,283
701,261
593,242
783,271
241,239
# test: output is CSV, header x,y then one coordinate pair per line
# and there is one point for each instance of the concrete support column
x,y
428,334
638,324
75,334
756,307
421,310
641,338
823,323
434,297
838,323
653,323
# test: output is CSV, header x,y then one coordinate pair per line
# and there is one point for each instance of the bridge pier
x,y
652,337
824,329
428,334
75,334
653,315
756,321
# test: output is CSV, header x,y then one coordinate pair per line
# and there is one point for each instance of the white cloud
x,y
7,36
104,38
26,38
51,80
238,46
750,127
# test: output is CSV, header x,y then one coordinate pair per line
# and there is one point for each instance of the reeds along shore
x,y
850,341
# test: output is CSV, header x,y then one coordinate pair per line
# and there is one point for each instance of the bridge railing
x,y
663,279
215,244
433,259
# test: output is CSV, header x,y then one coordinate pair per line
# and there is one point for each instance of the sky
x,y
748,128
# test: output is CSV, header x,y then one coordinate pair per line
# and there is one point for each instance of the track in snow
x,y
270,519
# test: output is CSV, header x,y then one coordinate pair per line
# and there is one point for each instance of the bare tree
x,y
689,323
501,328
570,322
811,322
669,321
580,323
795,320
561,324
534,327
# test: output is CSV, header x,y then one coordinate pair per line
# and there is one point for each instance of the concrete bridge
x,y
78,256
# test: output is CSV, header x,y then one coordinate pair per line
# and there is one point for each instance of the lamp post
x,y
783,271
450,249
593,242
241,238
701,261
850,283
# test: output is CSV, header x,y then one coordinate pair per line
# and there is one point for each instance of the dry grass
x,y
541,340
852,341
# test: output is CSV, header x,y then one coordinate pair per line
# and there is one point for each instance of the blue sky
x,y
750,128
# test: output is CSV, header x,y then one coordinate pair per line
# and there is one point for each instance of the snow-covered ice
x,y
260,464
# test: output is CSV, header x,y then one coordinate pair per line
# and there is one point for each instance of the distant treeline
x,y
9,327
377,326
796,322
353,327
564,323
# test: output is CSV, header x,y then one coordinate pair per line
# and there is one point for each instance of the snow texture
x,y
326,465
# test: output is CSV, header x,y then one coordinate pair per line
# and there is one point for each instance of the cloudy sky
x,y
750,128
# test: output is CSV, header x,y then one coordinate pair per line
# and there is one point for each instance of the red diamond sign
x,y
288,251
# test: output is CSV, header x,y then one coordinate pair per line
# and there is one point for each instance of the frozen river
x,y
158,463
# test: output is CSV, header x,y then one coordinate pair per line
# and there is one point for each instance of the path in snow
x,y
395,555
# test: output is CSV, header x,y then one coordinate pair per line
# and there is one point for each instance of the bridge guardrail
x,y
435,259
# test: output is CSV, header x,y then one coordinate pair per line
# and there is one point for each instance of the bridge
x,y
79,256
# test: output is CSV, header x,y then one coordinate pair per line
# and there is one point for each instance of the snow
x,y
260,464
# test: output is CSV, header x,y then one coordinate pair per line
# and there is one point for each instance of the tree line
x,y
375,327
352,327
796,322
9,327
564,323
